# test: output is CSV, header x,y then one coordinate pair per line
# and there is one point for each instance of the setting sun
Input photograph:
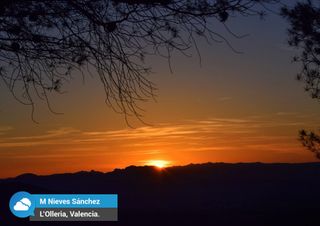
x,y
158,163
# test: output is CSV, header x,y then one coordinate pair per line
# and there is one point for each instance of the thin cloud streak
x,y
212,135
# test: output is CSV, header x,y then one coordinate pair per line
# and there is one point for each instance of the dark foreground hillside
x,y
206,194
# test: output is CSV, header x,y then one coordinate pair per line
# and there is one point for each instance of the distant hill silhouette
x,y
198,194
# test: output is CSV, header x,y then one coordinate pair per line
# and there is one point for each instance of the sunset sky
x,y
232,108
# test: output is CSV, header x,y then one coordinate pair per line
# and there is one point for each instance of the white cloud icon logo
x,y
22,205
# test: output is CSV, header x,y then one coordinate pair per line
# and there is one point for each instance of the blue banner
x,y
75,201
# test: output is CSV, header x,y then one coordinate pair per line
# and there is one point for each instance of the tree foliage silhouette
x,y
311,141
43,42
304,34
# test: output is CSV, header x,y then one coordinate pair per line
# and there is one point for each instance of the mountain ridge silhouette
x,y
196,194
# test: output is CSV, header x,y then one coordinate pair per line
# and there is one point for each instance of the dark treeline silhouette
x,y
205,194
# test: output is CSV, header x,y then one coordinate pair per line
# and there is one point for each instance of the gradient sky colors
x,y
233,108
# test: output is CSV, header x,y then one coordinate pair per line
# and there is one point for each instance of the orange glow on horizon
x,y
263,139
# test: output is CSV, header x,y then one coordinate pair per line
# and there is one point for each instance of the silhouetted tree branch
x,y
304,33
311,141
42,42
